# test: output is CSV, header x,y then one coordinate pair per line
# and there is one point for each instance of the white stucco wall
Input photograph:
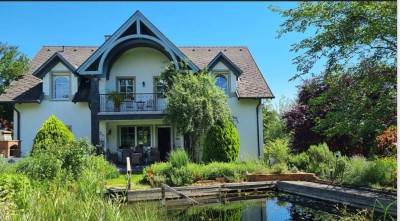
x,y
245,112
141,63
32,116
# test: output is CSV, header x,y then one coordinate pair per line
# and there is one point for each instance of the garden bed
x,y
282,177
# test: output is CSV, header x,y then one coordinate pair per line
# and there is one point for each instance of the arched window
x,y
61,87
222,82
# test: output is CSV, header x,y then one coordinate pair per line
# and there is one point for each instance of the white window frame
x,y
54,77
225,74
126,93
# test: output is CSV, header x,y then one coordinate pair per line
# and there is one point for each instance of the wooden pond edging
x,y
220,190
339,194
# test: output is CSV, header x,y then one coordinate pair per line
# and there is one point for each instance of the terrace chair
x,y
149,104
136,158
154,155
126,152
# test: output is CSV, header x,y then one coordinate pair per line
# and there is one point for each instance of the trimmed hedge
x,y
221,143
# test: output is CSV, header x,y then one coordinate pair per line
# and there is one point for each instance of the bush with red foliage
x,y
387,141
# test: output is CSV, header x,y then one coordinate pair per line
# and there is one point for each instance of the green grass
x,y
120,182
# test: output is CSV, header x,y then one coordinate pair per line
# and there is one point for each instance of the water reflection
x,y
273,208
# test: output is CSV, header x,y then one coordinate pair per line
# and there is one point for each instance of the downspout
x,y
258,129
18,120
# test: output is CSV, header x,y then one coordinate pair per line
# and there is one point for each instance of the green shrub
x,y
301,161
219,169
41,167
279,168
354,173
4,166
380,171
178,158
278,149
99,165
321,160
197,171
52,131
14,189
58,160
221,143
180,177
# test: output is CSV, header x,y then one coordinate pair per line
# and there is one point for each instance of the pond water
x,y
274,207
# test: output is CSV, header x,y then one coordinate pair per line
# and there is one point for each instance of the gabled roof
x,y
138,28
51,63
227,62
250,84
28,88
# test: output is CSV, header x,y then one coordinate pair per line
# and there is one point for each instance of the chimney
x,y
106,37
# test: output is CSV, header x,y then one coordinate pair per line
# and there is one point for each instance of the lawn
x,y
120,182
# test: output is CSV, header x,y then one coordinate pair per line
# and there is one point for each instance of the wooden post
x,y
128,173
162,195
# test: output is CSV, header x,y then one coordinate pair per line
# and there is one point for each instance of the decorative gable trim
x,y
227,62
51,63
136,30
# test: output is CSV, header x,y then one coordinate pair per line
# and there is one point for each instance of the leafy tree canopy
x,y
13,65
273,124
195,104
347,110
345,32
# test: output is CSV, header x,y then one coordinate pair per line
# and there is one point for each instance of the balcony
x,y
132,103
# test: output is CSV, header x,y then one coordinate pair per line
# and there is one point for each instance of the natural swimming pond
x,y
273,206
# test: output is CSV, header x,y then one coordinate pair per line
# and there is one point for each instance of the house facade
x,y
78,85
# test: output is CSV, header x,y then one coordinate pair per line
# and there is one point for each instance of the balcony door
x,y
164,142
126,86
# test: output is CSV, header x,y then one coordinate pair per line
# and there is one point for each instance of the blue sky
x,y
31,25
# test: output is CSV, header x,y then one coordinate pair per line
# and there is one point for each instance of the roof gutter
x,y
258,129
19,123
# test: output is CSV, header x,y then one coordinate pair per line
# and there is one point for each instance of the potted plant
x,y
117,98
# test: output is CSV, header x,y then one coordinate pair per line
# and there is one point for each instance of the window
x,y
222,82
61,87
126,86
127,136
132,136
159,87
143,136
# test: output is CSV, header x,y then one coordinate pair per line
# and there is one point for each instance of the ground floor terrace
x,y
143,141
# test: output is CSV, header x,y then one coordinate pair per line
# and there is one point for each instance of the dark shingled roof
x,y
251,83
29,88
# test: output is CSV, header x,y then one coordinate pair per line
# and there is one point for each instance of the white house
x,y
74,83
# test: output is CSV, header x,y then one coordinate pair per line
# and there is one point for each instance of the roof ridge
x,y
69,46
212,46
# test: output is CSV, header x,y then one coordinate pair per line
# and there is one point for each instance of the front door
x,y
164,142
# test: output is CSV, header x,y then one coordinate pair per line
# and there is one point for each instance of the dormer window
x,y
222,82
61,86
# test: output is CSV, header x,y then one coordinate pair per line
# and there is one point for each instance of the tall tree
x,y
359,104
195,104
273,124
13,64
345,32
